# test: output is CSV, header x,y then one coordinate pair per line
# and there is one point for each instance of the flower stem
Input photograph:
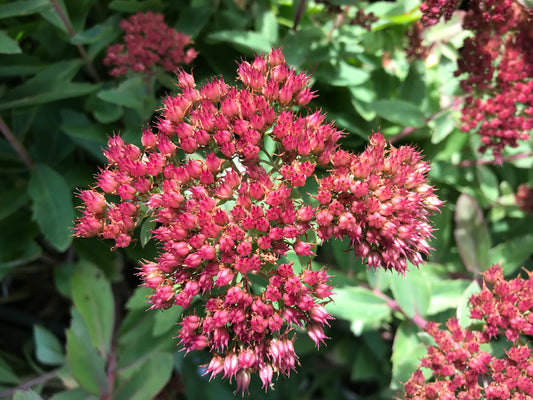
x,y
71,32
16,144
27,385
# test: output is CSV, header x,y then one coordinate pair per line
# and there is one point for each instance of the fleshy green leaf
x,y
446,294
146,230
8,45
93,297
463,311
407,351
148,380
86,364
52,205
23,8
360,306
512,253
412,292
166,320
7,375
488,183
131,93
26,395
399,111
11,200
252,41
50,84
471,234
344,74
48,349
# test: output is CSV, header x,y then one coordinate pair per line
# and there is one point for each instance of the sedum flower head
x,y
229,212
148,42
460,366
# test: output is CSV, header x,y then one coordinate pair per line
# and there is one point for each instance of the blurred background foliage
x,y
73,318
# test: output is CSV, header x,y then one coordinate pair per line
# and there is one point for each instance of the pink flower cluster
x,y
149,42
461,368
229,212
381,201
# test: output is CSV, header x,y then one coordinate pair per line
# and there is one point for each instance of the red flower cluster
x,y
524,198
497,61
231,211
461,369
433,10
148,42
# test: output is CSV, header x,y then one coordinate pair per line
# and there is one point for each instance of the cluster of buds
x,y
434,10
229,212
460,367
497,71
380,200
148,42
524,198
499,82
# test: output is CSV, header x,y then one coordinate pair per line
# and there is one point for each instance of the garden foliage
x,y
330,199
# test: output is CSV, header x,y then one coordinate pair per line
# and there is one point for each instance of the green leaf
x,y
48,348
52,205
400,112
463,311
412,292
7,375
413,88
93,298
23,8
445,294
11,200
252,41
73,394
379,278
86,364
166,320
146,230
148,380
488,183
43,95
8,45
91,35
512,253
268,26
362,307
50,84
192,20
131,93
344,74
407,351
26,395
441,126
471,234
